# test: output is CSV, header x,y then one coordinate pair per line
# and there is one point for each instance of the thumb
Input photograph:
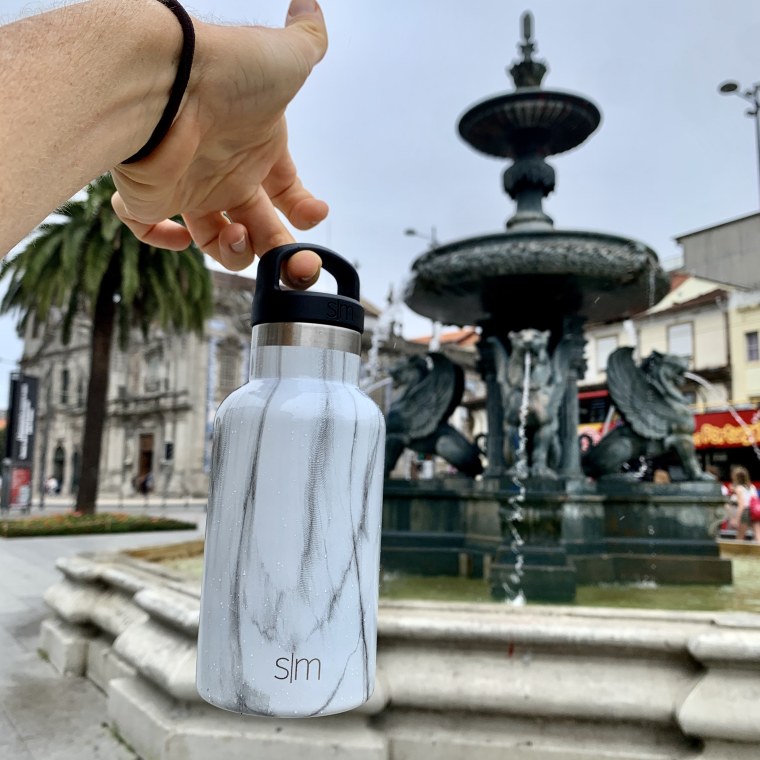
x,y
305,24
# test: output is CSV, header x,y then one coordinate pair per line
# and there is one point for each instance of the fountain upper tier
x,y
529,122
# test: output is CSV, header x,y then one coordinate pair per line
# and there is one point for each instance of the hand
x,y
224,164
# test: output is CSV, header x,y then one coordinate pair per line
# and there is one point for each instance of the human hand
x,y
224,164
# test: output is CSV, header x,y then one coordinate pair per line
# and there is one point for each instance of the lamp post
x,y
752,96
431,238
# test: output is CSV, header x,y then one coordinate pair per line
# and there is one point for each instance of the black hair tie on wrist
x,y
180,82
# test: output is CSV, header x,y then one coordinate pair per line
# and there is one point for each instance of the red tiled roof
x,y
467,336
678,278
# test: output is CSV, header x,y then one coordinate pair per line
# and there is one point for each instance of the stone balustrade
x,y
454,680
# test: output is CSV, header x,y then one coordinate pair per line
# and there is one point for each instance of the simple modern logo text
x,y
302,668
342,311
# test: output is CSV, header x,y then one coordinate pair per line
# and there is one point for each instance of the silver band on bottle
x,y
306,334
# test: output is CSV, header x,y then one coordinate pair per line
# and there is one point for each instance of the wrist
x,y
179,86
151,59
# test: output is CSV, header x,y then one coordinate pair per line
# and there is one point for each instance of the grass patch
x,y
73,523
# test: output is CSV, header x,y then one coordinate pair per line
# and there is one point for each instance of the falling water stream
x,y
512,513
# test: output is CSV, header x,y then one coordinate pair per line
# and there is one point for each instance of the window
x,y
80,392
753,348
153,361
604,347
64,386
681,340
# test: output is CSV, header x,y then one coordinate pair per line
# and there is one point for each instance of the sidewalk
x,y
44,716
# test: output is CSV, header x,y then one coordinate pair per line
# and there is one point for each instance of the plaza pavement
x,y
44,716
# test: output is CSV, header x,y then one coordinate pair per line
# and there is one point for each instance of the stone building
x,y
162,397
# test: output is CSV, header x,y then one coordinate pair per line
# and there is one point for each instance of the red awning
x,y
592,394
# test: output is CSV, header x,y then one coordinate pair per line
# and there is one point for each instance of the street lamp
x,y
751,95
431,238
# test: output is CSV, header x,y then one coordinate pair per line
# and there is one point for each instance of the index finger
x,y
166,234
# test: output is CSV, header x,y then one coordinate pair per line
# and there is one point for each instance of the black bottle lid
x,y
273,304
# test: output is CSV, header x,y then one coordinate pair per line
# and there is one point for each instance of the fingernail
x,y
302,7
239,245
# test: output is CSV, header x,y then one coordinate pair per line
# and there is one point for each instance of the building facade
x,y
161,399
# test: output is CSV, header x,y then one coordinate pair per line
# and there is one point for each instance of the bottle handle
x,y
344,273
273,304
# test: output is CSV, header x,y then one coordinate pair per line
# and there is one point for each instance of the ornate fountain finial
x,y
527,72
528,45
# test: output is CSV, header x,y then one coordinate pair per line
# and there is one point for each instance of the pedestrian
x,y
727,514
187,116
744,491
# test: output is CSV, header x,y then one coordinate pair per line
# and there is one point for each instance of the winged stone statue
x,y
427,391
656,416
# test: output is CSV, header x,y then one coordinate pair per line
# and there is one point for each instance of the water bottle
x,y
288,622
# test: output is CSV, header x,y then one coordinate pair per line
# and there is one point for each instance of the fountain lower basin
x,y
534,278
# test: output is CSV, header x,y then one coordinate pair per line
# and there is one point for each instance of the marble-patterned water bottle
x,y
288,621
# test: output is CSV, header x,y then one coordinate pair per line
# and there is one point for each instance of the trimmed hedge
x,y
73,523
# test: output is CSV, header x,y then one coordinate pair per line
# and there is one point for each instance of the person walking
x,y
745,492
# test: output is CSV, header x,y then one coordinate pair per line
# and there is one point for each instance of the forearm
x,y
81,89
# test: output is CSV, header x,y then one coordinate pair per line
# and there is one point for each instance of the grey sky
x,y
373,130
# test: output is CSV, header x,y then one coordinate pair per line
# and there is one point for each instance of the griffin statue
x,y
427,391
656,416
539,392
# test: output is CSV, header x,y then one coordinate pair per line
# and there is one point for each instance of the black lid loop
x,y
273,304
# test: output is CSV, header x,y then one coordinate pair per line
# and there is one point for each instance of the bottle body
x,y
288,620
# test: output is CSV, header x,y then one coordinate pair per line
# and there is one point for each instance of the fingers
x,y
227,239
305,26
221,239
166,234
302,270
266,231
230,244
288,194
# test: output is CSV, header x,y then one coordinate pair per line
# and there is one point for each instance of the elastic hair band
x,y
180,82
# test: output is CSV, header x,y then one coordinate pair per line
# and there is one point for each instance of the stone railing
x,y
454,680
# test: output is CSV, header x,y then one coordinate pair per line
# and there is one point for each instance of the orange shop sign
x,y
722,430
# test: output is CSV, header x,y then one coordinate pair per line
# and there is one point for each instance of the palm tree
x,y
91,263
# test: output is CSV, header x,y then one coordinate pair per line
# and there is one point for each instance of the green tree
x,y
89,262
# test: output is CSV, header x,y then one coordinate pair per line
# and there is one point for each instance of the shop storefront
x,y
725,439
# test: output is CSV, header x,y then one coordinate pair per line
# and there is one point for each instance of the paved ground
x,y
44,716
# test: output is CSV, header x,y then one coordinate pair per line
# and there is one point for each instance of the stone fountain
x,y
532,288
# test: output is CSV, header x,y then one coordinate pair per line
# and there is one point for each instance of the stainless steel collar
x,y
308,335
